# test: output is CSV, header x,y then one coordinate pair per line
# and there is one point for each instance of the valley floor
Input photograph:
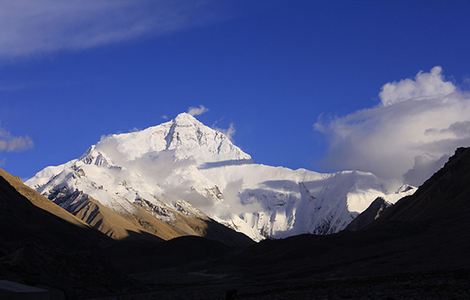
x,y
429,286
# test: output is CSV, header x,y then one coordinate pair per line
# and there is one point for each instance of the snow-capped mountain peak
x,y
184,136
187,167
185,119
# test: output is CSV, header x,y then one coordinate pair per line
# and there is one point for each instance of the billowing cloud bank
x,y
408,136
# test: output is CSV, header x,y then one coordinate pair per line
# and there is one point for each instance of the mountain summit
x,y
183,169
184,136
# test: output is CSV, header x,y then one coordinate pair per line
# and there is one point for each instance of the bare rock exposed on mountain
x,y
372,213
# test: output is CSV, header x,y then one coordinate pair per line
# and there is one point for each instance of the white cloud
x,y
408,136
197,110
10,143
424,86
29,27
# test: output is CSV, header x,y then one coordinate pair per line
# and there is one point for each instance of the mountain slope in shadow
x,y
442,200
372,213
43,244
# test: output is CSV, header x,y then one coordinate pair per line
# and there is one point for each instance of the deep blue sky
x,y
270,67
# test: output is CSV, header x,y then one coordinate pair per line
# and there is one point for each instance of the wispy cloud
x,y
11,143
197,110
30,27
408,135
229,132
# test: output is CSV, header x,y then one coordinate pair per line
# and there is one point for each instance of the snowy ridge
x,y
186,166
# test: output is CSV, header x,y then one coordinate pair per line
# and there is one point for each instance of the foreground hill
x,y
43,244
443,200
